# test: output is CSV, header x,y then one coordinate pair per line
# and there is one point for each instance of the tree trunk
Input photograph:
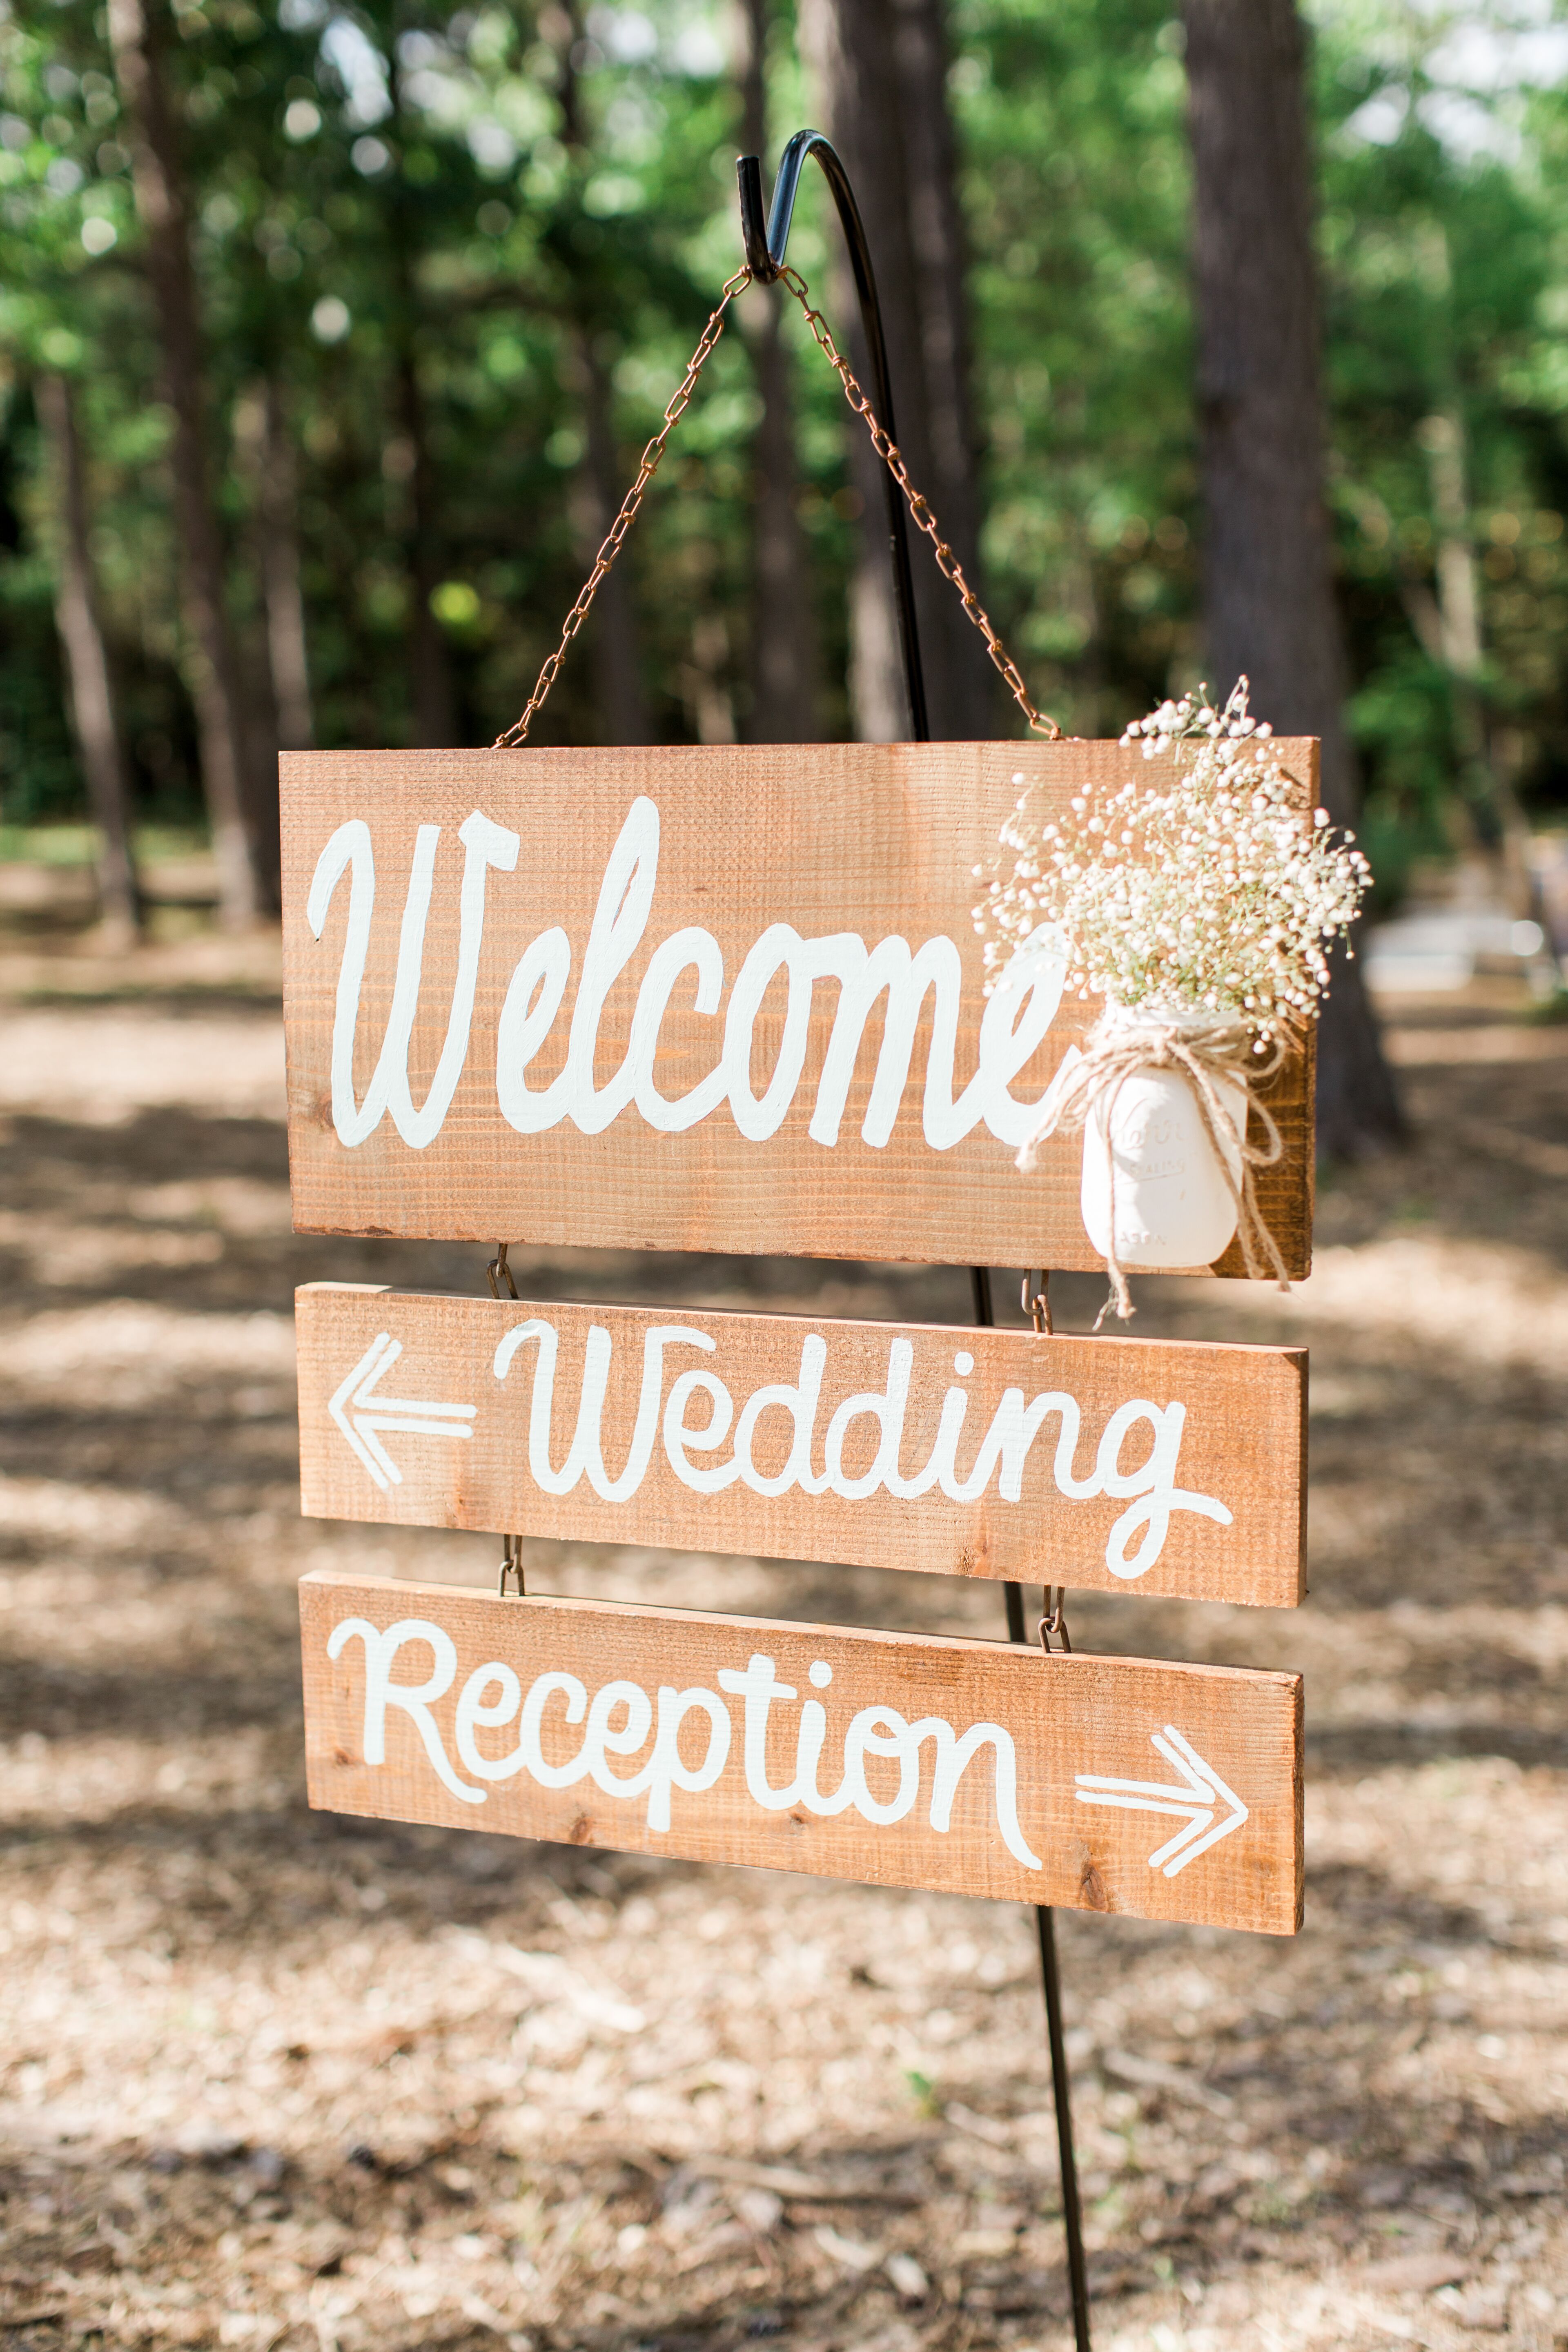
x,y
939,245
87,663
255,651
287,646
434,723
278,671
408,459
601,483
1484,781
1269,592
880,68
785,661
242,806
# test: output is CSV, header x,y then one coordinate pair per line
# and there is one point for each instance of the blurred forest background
x,y
330,333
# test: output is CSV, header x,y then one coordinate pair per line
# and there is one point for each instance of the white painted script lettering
x,y
587,1455
415,1700
485,844
1016,1020
621,1716
1148,1487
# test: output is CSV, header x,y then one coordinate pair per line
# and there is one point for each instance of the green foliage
x,y
1076,188
401,190
1446,290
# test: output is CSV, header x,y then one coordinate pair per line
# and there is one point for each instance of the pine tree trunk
x,y
242,806
880,69
286,644
601,483
1483,779
785,660
602,479
429,663
255,648
274,655
86,664
939,245
1269,592
434,723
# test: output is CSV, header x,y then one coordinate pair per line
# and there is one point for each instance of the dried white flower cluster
x,y
1213,895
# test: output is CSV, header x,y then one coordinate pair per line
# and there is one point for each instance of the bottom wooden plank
x,y
1104,1784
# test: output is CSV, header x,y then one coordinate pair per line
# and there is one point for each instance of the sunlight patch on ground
x,y
1480,1299
99,1067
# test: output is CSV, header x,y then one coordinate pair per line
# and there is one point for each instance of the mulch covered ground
x,y
274,2079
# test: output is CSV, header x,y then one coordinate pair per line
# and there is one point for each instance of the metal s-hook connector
x,y
1052,1625
498,1273
1035,1301
511,1566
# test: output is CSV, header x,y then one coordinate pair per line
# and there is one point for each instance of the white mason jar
x,y
1162,1180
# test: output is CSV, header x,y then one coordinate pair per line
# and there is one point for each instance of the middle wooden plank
x,y
1144,1465
1133,1785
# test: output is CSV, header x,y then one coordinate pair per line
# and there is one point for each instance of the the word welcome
x,y
1015,1020
875,1731
1149,1487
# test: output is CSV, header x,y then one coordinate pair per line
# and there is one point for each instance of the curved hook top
x,y
754,221
765,246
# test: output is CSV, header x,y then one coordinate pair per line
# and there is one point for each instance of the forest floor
x,y
273,2079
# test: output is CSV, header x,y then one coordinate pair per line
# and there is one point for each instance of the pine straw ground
x,y
277,2080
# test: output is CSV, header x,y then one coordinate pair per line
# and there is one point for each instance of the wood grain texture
x,y
873,840
1241,1444
1060,1719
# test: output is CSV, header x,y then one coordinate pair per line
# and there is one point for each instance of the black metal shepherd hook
x,y
765,242
766,237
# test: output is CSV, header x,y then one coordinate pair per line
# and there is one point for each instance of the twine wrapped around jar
x,y
1214,1061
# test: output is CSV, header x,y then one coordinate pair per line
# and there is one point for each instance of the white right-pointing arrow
x,y
361,1413
1199,1800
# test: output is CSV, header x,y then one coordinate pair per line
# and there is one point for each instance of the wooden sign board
x,y
1106,1784
1135,1466
704,999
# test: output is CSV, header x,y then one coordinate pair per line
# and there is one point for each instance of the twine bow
x,y
1114,1053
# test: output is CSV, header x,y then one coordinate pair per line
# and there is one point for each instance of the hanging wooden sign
x,y
710,999
1136,1465
1107,1784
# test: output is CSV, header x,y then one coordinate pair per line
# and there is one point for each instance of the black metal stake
x,y
765,242
1051,1977
765,245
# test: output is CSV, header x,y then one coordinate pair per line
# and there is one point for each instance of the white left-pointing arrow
x,y
1210,1810
360,1413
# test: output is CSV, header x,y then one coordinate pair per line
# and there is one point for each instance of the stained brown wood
x,y
1221,1426
865,842
1037,1749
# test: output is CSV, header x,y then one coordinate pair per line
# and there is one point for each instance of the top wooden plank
x,y
700,997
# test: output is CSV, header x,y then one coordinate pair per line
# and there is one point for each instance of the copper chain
x,y
919,511
947,562
517,732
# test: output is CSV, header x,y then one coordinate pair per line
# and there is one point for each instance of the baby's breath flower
x,y
1216,895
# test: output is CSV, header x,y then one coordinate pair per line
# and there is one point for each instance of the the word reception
x,y
900,1759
